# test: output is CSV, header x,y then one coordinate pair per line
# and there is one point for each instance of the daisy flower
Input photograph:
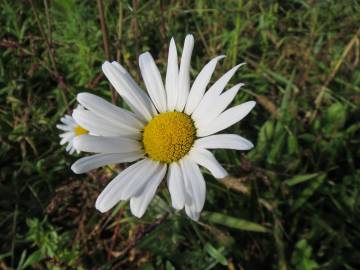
x,y
168,132
70,130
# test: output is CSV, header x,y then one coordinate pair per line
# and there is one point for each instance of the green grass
x,y
293,202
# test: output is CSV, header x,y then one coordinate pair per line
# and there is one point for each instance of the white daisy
x,y
169,131
71,130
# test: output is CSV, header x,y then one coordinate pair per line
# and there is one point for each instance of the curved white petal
x,y
184,73
113,192
137,185
144,97
64,127
128,90
224,141
69,148
206,159
72,150
199,86
86,164
105,145
152,78
226,119
103,126
195,187
140,203
176,186
66,137
216,89
172,77
68,120
105,109
190,210
66,134
210,109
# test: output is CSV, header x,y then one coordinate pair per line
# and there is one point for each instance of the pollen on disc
x,y
169,136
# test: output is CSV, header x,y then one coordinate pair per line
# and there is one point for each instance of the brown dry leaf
x,y
236,184
267,104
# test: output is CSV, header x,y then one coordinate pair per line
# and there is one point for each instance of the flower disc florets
x,y
169,136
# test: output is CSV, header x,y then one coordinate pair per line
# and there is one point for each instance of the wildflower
x,y
169,132
71,130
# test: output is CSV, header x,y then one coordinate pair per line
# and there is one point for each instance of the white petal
x,y
194,184
210,109
190,210
199,86
140,203
68,148
72,150
144,98
172,77
137,185
128,91
105,109
184,73
105,145
66,137
102,126
224,141
206,159
152,78
176,186
67,134
226,119
113,192
64,127
86,164
217,88
68,120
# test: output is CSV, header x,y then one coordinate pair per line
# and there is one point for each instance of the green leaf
x,y
34,258
302,257
300,179
308,192
169,266
233,222
216,254
292,144
335,118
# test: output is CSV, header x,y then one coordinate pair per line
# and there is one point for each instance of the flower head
x,y
70,130
168,133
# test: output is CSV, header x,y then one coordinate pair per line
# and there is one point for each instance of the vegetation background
x,y
293,202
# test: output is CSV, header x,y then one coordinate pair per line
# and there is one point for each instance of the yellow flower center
x,y
80,130
168,136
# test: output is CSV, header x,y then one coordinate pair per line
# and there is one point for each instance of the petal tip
x,y
99,206
189,37
137,212
252,103
102,210
81,96
75,169
105,64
